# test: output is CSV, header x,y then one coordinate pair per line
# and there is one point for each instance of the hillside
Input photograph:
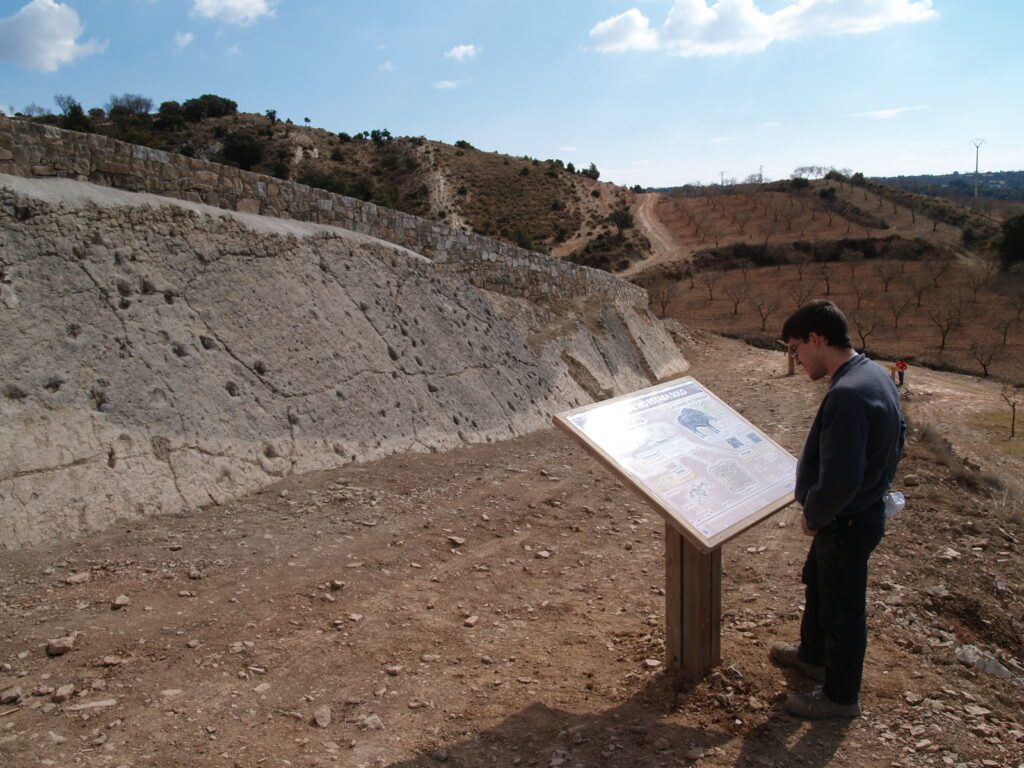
x,y
542,205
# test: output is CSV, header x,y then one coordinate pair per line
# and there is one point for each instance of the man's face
x,y
808,353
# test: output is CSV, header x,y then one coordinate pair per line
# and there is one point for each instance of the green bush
x,y
463,144
242,150
1012,246
208,105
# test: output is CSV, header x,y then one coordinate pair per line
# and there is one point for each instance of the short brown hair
x,y
821,317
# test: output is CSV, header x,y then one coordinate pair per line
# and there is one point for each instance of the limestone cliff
x,y
157,354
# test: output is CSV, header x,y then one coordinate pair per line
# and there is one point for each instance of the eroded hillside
x,y
160,355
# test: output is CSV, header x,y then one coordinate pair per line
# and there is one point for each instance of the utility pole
x,y
760,174
977,148
721,176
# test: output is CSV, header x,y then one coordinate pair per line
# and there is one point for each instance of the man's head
x,y
818,336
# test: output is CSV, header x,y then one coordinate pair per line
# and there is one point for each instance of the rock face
x,y
157,354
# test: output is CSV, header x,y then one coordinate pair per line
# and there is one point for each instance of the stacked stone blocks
x,y
36,150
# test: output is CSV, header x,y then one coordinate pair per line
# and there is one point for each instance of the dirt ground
x,y
502,605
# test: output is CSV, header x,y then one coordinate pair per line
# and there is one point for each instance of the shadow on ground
x,y
644,731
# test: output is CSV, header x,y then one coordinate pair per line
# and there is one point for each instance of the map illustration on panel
x,y
704,462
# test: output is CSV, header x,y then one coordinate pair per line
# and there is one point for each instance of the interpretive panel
x,y
709,470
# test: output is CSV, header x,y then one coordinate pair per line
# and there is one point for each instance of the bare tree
x,y
984,354
710,280
801,293
1004,324
860,290
1017,301
765,306
825,275
661,295
897,305
887,271
918,285
800,267
944,316
1012,397
976,280
690,274
937,267
738,291
866,322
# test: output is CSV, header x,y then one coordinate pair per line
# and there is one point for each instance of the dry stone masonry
x,y
158,354
36,150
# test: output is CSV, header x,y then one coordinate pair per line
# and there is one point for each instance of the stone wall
x,y
35,150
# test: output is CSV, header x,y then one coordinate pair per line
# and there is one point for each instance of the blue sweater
x,y
855,443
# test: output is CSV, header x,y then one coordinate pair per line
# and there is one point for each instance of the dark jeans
x,y
834,630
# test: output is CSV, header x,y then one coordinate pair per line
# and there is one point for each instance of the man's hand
x,y
804,527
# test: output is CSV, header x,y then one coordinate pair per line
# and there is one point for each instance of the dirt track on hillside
x,y
497,605
663,245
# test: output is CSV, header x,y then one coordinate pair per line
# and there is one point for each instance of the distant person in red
x,y
901,368
846,465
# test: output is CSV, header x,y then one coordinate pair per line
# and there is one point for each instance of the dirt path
x,y
495,605
663,245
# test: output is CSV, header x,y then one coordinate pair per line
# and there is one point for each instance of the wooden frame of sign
x,y
661,441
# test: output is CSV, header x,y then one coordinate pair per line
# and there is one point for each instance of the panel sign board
x,y
707,469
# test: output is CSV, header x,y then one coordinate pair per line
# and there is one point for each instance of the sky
x,y
654,92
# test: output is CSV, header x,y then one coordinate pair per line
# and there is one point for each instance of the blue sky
x,y
655,92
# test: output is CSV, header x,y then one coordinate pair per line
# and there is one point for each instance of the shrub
x,y
337,155
463,144
344,138
799,183
170,116
128,104
242,150
1012,246
595,193
591,172
209,105
379,137
524,171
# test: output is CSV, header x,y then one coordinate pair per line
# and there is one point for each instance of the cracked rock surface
x,y
158,355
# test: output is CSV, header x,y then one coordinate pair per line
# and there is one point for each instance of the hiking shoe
x,y
817,706
786,655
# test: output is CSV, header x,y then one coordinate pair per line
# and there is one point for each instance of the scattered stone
x,y
195,574
110,661
912,698
911,480
322,716
193,644
394,670
337,585
372,723
55,738
11,695
63,693
78,578
98,704
171,693
949,554
428,658
262,688
471,621
119,602
652,663
355,617
456,541
542,554
60,645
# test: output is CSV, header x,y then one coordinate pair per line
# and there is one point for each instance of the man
x,y
848,461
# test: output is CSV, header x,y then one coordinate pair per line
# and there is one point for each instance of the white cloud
x,y
184,39
567,149
446,85
886,114
695,28
629,31
43,35
233,11
463,52
233,50
388,66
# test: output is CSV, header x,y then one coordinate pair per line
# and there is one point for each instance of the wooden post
x,y
693,609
